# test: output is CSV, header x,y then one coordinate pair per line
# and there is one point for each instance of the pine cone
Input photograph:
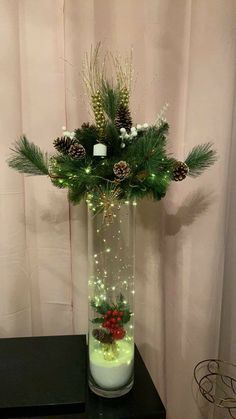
x,y
85,125
102,336
180,171
77,151
63,144
123,118
121,170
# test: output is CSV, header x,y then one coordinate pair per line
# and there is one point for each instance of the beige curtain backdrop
x,y
184,54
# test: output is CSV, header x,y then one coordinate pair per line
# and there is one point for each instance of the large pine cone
x,y
63,144
77,151
121,170
180,171
123,118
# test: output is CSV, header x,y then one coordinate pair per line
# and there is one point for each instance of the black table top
x,y
42,375
46,376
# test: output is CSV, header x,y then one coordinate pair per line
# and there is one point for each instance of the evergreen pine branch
x,y
200,158
110,100
68,165
88,136
113,140
28,158
148,152
76,194
157,184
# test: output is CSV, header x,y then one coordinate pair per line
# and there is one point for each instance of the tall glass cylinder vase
x,y
111,300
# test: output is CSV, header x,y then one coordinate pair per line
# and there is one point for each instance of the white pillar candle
x,y
100,150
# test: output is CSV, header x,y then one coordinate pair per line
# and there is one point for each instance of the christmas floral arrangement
x,y
109,162
111,159
113,318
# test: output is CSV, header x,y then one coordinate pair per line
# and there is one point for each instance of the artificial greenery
x,y
200,158
137,164
120,306
29,159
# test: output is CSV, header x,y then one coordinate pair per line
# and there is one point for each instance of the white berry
x,y
66,133
133,129
139,127
145,126
122,130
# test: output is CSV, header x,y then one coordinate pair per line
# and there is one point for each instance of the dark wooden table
x,y
46,376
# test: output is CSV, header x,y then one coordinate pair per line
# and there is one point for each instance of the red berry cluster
x,y
113,322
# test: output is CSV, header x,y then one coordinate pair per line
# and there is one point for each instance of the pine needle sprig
x,y
150,150
87,136
110,98
68,165
112,140
200,158
77,193
28,158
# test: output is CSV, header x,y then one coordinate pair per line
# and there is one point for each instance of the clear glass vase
x,y
111,300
